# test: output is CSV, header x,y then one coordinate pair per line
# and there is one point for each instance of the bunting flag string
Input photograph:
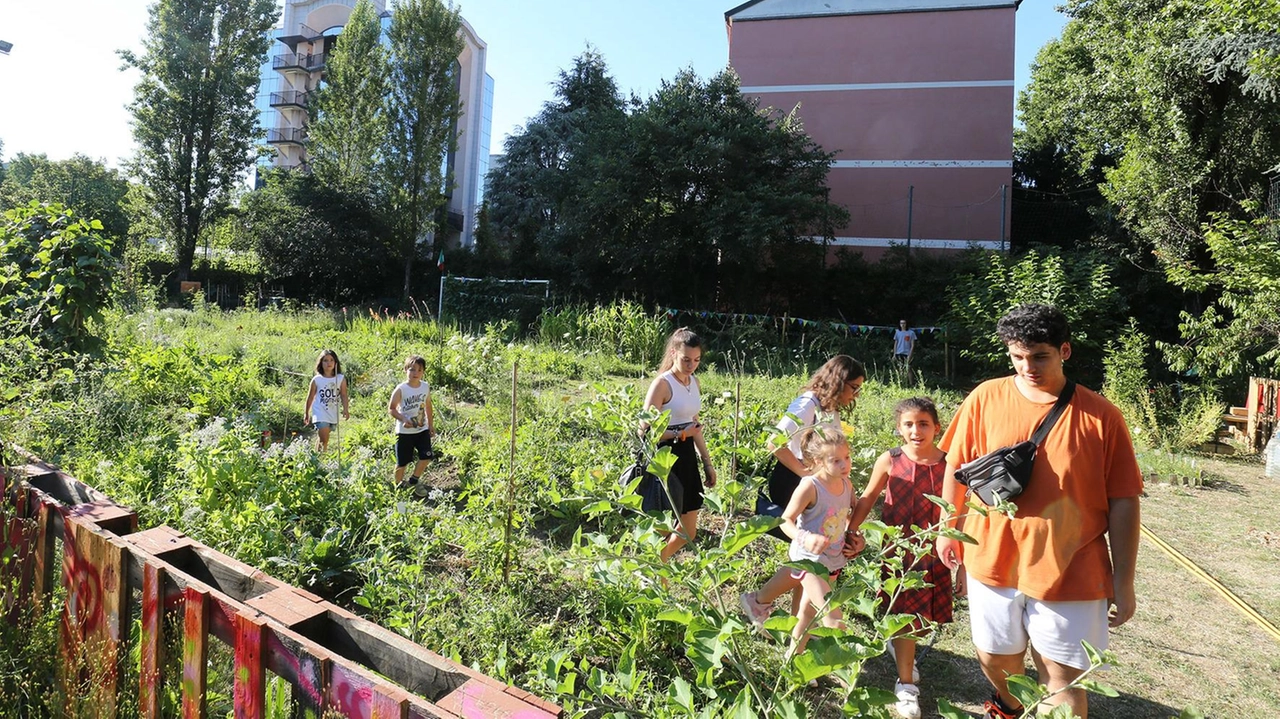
x,y
672,313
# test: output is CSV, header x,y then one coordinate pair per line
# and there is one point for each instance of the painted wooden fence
x,y
1263,412
111,572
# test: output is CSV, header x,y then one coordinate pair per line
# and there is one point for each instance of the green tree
x,y
1078,283
422,111
731,196
322,243
1240,331
349,129
694,196
86,186
1159,102
547,199
193,110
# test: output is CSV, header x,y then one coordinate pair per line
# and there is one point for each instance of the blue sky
x,y
64,91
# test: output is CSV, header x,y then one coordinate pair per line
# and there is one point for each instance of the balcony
x,y
289,98
299,62
287,136
305,34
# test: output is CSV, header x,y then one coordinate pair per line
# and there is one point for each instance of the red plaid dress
x,y
905,505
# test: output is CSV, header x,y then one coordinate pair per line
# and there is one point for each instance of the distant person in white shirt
x,y
904,345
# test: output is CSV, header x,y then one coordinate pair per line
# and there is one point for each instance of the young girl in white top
x,y
676,391
328,387
816,519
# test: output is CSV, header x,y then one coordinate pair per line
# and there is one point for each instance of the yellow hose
x,y
1227,594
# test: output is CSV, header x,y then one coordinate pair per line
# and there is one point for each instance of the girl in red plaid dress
x,y
905,475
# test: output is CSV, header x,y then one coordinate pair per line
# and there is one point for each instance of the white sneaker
x,y
915,666
908,700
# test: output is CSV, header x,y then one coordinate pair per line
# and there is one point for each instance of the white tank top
x,y
685,401
324,408
413,403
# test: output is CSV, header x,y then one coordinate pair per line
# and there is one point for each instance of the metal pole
x,y
911,191
511,481
1003,211
440,304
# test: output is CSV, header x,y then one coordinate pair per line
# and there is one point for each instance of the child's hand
x,y
346,414
814,543
854,543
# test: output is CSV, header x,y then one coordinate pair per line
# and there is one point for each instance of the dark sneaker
x,y
421,490
997,710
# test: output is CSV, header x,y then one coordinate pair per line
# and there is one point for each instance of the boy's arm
x,y
951,551
311,396
1123,526
862,507
431,417
393,407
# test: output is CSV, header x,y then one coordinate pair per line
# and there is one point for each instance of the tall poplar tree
x,y
193,112
422,111
349,128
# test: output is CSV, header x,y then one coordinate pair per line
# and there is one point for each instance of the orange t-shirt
x,y
1054,548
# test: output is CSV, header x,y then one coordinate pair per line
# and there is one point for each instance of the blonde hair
x,y
819,442
683,337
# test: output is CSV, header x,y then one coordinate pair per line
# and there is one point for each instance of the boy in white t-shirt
x,y
410,406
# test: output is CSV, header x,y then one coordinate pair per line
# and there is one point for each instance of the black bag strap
x,y
1064,398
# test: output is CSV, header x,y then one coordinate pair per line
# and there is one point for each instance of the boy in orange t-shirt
x,y
1045,576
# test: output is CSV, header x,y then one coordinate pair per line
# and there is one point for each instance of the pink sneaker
x,y
755,612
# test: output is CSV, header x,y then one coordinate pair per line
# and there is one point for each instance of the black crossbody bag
x,y
1003,474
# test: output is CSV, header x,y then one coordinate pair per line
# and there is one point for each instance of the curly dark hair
x,y
829,381
1031,324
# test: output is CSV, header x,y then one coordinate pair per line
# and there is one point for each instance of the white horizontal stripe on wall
x,y
888,164
915,242
853,86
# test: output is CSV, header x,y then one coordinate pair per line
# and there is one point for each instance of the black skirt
x,y
685,481
782,484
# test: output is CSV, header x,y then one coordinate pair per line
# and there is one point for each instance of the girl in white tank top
x,y
676,392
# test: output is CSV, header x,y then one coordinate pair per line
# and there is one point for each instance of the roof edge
x,y
991,5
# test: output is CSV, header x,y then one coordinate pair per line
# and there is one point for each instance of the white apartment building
x,y
294,67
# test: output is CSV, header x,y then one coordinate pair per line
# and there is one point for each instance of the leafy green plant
x,y
1160,416
55,271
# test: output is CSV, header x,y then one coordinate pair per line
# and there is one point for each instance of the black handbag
x,y
1003,474
653,498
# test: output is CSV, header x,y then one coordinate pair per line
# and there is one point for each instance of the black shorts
x,y
687,489
407,444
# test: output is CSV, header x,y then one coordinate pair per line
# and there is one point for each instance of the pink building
x,y
915,97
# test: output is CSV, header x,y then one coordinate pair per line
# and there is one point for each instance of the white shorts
x,y
1003,620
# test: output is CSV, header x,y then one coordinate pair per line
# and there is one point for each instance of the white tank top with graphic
x,y
328,399
413,403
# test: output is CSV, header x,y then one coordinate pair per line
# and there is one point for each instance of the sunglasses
x,y
855,388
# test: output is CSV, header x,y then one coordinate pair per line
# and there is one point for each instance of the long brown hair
x,y
683,337
337,363
829,381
